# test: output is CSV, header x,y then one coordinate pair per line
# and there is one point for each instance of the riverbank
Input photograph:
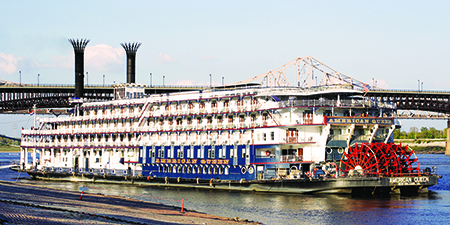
x,y
429,150
10,149
29,204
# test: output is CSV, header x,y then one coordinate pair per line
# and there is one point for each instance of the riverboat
x,y
255,138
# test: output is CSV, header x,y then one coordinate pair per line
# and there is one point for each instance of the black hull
x,y
361,186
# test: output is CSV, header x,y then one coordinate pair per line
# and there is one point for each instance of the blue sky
x,y
395,42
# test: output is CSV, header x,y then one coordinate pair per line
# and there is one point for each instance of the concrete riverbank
x,y
28,204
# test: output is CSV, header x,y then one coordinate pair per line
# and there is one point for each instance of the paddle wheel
x,y
380,159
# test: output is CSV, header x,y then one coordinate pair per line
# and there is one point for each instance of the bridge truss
x,y
306,70
419,114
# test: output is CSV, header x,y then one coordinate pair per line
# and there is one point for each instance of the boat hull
x,y
356,185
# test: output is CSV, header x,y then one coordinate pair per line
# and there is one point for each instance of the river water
x,y
433,207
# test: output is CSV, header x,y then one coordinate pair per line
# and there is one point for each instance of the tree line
x,y
424,133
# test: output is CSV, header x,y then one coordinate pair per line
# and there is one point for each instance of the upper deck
x,y
267,99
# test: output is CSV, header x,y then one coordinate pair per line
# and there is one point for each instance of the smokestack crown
x,y
79,45
131,48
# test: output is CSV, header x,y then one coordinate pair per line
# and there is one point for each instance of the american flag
x,y
366,87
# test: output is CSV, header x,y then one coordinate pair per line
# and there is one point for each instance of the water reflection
x,y
286,209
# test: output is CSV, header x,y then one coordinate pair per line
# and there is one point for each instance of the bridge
x,y
20,98
412,104
15,98
416,104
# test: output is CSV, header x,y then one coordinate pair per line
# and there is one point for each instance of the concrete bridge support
x,y
447,145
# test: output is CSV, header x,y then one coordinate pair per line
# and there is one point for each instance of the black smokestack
x,y
131,49
78,48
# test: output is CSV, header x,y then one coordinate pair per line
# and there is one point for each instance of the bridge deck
x,y
20,99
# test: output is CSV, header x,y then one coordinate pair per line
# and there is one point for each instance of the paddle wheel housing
x,y
380,159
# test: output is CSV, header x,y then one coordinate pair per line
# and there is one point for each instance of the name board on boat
x,y
359,120
400,181
195,161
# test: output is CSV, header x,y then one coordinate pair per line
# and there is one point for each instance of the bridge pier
x,y
447,146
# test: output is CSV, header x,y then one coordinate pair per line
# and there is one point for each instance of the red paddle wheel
x,y
380,159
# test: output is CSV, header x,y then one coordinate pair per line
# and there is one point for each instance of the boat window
x,y
173,169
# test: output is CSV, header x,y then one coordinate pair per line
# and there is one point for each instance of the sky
x,y
395,43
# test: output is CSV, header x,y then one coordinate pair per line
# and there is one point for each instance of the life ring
x,y
268,153
308,174
243,170
250,170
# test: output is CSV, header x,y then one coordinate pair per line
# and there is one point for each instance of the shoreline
x,y
58,205
429,152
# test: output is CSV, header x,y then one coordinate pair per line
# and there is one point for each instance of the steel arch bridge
x,y
20,98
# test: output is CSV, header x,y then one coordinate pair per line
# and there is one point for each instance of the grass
x,y
9,149
428,149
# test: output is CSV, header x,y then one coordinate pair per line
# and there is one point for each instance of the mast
x,y
34,116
